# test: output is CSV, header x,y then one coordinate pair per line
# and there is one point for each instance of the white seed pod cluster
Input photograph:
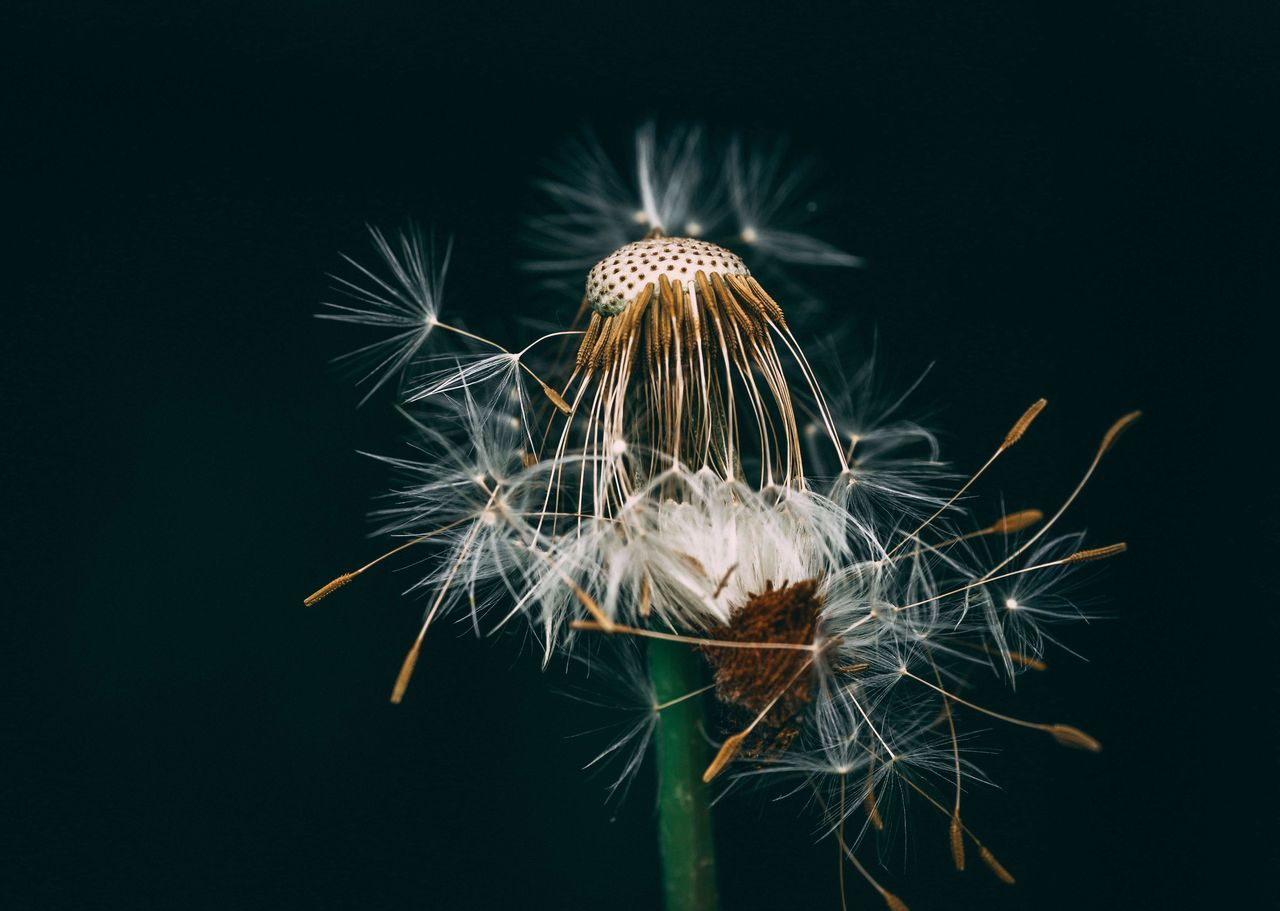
x,y
674,466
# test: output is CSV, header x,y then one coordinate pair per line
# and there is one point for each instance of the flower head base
x,y
769,683
622,276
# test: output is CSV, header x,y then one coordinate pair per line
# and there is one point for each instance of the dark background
x,y
1068,200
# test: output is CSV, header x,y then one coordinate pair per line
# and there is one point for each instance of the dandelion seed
x,y
763,187
989,859
406,303
681,181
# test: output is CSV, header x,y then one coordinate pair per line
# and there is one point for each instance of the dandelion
x,y
693,509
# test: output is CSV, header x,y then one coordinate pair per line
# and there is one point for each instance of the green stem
x,y
684,807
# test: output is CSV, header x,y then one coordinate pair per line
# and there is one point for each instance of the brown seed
x,y
1116,429
1016,521
996,867
1066,735
1027,661
894,903
957,844
328,589
557,400
1020,427
1096,553
728,750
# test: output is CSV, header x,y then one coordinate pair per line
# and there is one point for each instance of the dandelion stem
x,y
684,808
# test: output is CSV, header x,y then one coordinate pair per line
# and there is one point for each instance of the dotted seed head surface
x,y
619,278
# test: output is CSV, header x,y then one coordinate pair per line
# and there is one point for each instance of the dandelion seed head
x,y
689,473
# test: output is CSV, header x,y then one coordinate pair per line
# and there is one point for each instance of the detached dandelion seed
x,y
689,503
404,302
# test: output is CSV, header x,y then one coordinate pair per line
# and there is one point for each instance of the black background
x,y
1067,200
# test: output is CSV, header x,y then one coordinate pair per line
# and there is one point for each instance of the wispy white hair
x,y
684,183
405,303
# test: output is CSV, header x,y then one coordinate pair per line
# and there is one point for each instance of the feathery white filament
x,y
406,303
